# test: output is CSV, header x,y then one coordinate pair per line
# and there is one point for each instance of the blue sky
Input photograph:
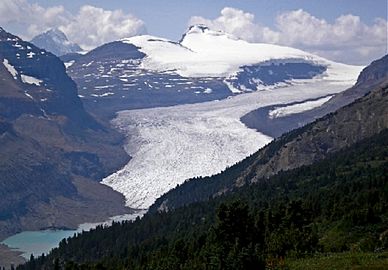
x,y
349,31
168,18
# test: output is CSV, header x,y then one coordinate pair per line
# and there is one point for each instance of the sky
x,y
349,31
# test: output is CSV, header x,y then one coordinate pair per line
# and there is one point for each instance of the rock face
x,y
52,151
352,123
56,42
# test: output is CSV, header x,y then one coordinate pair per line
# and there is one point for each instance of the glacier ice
x,y
171,144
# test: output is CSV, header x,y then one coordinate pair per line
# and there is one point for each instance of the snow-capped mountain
x,y
56,42
147,71
203,52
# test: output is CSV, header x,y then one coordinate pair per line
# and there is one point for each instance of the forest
x,y
334,206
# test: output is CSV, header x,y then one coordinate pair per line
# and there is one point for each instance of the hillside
x,y
52,151
337,204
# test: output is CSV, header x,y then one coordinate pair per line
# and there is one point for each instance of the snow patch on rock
x,y
11,69
30,80
69,64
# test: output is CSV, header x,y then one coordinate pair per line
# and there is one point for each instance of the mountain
x,y
147,71
56,42
300,147
53,153
333,205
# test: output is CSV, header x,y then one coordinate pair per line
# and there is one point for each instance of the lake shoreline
x,y
19,247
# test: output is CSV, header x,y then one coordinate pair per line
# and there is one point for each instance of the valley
x,y
302,214
143,152
163,155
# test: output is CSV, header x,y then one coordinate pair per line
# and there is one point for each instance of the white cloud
x,y
32,16
238,23
347,39
90,27
94,26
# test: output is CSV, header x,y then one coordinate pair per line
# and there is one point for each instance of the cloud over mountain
x,y
345,39
89,27
94,26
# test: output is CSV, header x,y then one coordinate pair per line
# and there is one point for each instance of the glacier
x,y
169,145
172,144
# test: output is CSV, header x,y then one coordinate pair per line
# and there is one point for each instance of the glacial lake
x,y
38,242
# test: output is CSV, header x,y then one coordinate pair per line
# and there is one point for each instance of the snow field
x,y
208,53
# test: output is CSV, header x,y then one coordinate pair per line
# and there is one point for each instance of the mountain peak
x,y
198,28
203,29
56,32
55,41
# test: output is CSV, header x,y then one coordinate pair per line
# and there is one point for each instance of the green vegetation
x,y
345,261
337,206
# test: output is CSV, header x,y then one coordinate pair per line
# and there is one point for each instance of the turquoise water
x,y
37,242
